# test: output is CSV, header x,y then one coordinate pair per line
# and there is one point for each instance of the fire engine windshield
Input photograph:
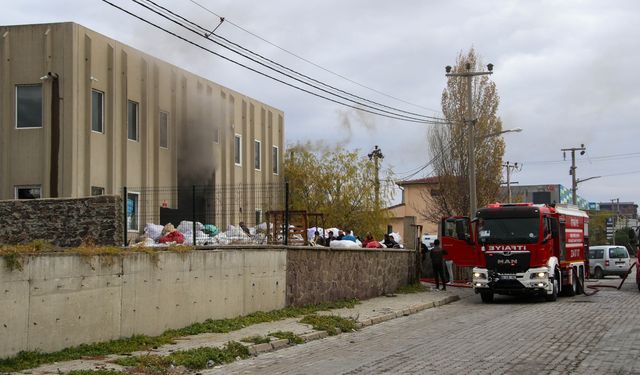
x,y
508,230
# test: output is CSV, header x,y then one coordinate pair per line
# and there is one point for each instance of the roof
x,y
419,181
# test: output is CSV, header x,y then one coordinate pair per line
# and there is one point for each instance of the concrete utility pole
x,y
510,167
470,120
615,220
375,155
572,170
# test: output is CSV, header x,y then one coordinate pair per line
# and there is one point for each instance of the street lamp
x,y
470,120
514,130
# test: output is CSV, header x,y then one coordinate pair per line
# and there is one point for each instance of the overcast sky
x,y
566,71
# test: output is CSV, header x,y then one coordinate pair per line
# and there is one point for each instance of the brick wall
x,y
63,222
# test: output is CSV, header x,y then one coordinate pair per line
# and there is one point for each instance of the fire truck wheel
x,y
574,285
598,274
581,283
486,297
554,295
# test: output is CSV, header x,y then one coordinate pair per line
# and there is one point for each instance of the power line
x,y
207,35
309,61
396,117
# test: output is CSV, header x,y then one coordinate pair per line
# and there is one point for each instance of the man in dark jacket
x,y
437,261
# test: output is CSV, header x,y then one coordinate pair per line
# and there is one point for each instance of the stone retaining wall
x,y
63,222
317,274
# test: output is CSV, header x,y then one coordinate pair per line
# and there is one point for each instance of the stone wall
x,y
316,275
63,222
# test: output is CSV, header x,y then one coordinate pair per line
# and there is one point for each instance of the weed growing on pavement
x,y
25,360
257,339
292,337
412,288
329,323
194,359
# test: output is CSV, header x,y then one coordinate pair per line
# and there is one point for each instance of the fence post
x,y
286,213
193,214
124,222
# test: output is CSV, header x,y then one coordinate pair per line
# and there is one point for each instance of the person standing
x,y
437,262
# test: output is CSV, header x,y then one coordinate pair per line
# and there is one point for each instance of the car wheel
x,y
554,295
486,297
598,273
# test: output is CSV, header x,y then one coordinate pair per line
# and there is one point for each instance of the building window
x,y
132,120
257,155
133,211
97,111
28,192
274,160
258,217
164,130
237,149
97,190
28,106
216,135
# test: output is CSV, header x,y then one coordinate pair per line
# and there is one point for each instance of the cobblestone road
x,y
599,334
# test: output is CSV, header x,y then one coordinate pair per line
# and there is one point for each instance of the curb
x,y
256,349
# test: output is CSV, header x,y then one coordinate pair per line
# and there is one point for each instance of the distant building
x,y
413,204
541,194
628,210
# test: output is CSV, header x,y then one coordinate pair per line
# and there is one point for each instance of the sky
x,y
565,72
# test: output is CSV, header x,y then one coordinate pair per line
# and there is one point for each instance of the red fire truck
x,y
521,248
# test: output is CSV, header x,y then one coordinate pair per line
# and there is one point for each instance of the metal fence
x,y
207,215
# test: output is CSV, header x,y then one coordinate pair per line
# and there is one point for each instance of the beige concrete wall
x,y
413,204
58,301
86,60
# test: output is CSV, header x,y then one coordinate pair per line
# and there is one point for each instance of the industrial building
x,y
82,114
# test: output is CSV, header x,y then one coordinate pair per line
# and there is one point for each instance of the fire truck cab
x,y
520,248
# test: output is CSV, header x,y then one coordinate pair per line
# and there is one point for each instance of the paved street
x,y
597,334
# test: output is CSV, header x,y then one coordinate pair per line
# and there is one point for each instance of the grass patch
x,y
329,323
194,359
412,288
292,337
257,339
25,360
95,372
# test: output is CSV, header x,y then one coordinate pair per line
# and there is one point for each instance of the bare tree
x,y
448,145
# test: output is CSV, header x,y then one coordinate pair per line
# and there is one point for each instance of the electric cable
x,y
206,34
310,62
408,118
396,117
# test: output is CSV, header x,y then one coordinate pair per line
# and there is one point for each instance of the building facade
x,y
414,204
542,194
82,114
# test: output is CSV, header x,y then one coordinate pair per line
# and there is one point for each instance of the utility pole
x,y
470,120
572,170
375,155
615,220
510,167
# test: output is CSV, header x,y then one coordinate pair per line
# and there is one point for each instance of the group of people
x,y
347,235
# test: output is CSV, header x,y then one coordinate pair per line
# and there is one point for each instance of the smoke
x,y
351,119
198,159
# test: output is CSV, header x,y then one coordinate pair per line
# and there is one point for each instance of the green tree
x,y
448,144
340,184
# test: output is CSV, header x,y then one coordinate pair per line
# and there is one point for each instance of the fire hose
x,y
596,288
